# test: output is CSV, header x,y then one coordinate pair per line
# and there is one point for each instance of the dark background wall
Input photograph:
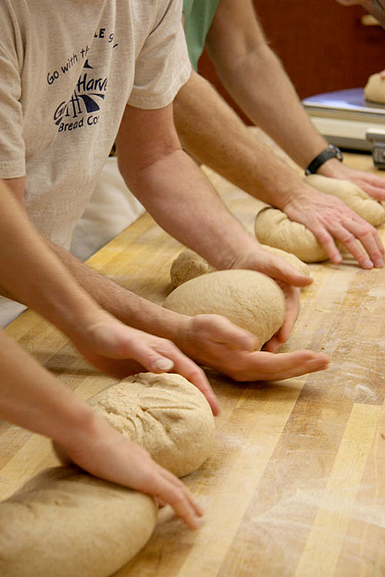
x,y
324,46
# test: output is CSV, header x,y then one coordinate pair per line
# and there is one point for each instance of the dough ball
x,y
64,522
189,265
375,89
249,299
366,207
273,227
165,414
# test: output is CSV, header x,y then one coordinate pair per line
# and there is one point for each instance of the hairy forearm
x,y
182,201
32,274
213,134
260,86
123,304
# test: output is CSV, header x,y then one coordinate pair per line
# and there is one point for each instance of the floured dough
x,y
249,299
375,89
165,414
273,227
189,265
65,523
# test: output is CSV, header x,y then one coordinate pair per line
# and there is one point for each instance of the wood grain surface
x,y
296,485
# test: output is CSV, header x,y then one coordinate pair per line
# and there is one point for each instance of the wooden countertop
x,y
296,486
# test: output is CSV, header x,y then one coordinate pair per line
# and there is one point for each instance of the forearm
x,y
32,398
31,274
123,304
214,135
182,201
260,86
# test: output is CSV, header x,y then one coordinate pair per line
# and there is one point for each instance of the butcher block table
x,y
296,484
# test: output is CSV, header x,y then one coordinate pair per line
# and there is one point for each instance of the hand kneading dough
x,y
189,265
165,414
375,89
273,227
65,523
366,207
249,299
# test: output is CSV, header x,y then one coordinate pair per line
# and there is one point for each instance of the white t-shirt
x,y
67,70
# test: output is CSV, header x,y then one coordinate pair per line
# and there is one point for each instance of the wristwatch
x,y
331,152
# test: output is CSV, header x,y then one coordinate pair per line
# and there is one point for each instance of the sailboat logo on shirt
x,y
85,101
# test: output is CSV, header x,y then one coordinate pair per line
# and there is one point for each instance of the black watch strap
x,y
331,152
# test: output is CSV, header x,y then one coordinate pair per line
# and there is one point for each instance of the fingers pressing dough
x,y
249,299
273,227
366,207
189,265
165,414
64,523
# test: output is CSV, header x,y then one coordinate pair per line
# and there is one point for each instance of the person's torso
x,y
78,67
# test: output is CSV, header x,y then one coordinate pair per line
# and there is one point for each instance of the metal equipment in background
x,y
349,121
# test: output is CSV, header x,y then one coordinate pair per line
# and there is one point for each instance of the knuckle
x,y
347,237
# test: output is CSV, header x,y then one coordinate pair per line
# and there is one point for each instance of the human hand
x,y
278,269
216,342
330,219
292,306
119,350
372,184
108,455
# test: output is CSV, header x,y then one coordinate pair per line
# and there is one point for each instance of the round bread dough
x,y
366,207
64,522
273,227
249,299
189,265
165,414
375,89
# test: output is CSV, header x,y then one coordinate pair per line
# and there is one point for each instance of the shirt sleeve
x,y
163,65
12,150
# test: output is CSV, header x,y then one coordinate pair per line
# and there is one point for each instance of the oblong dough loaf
x,y
366,207
165,414
273,227
64,522
249,299
189,265
375,89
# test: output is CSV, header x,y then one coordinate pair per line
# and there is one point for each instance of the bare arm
x,y
209,339
215,135
34,275
181,199
254,76
32,398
